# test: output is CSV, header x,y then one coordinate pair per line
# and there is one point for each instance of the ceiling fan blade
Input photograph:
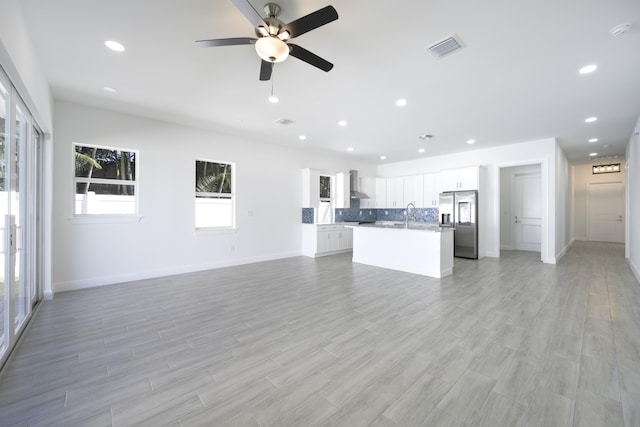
x,y
226,42
249,12
266,68
311,21
310,58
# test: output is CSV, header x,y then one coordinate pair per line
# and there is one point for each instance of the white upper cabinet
x,y
310,188
395,192
431,190
414,191
459,179
381,193
368,187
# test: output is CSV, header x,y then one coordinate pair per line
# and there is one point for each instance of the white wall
x,y
20,62
543,152
633,201
562,223
582,177
506,240
268,185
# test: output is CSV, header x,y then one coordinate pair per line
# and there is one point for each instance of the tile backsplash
x,y
308,215
420,215
354,213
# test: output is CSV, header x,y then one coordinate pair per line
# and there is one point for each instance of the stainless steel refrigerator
x,y
459,209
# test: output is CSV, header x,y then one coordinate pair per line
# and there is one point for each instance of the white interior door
x,y
605,212
527,212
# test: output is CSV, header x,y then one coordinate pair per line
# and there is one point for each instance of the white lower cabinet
x,y
326,239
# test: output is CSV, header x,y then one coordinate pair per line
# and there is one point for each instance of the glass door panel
x,y
17,206
4,210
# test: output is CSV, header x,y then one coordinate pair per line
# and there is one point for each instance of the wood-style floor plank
x,y
304,341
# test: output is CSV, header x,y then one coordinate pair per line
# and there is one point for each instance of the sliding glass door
x,y
4,202
19,216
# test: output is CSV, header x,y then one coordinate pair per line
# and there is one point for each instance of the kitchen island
x,y
419,248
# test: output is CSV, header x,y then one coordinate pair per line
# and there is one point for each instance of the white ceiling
x,y
516,80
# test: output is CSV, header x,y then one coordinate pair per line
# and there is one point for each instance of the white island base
x,y
418,250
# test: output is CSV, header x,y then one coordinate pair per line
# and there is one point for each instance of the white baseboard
x,y
318,255
634,269
506,247
123,278
564,251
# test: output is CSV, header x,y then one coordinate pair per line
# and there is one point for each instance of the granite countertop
x,y
420,226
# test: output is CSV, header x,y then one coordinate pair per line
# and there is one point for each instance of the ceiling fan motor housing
x,y
274,26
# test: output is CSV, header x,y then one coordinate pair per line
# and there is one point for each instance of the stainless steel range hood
x,y
353,186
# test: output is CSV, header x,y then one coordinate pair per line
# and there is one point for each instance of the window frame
x,y
232,196
118,217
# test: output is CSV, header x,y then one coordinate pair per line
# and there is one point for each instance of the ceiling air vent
x,y
446,46
283,121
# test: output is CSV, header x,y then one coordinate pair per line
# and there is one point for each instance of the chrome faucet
x,y
406,213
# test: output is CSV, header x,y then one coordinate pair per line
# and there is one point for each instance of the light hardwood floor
x,y
301,342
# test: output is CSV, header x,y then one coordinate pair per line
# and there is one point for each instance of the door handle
x,y
517,221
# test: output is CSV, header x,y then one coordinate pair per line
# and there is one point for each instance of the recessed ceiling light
x,y
383,157
274,99
420,150
350,149
109,89
471,141
302,137
593,140
588,69
590,119
342,123
606,145
401,102
593,154
115,46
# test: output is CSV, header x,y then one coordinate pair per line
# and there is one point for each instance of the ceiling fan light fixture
x,y
272,49
284,35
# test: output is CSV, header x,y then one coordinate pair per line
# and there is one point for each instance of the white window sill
x,y
216,230
104,219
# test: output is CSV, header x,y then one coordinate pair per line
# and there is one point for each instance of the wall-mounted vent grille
x,y
283,121
446,47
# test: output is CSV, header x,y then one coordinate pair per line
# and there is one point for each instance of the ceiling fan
x,y
273,35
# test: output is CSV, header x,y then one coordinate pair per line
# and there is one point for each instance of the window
x,y
215,201
325,205
105,181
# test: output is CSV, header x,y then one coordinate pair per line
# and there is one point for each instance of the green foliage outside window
x,y
213,179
